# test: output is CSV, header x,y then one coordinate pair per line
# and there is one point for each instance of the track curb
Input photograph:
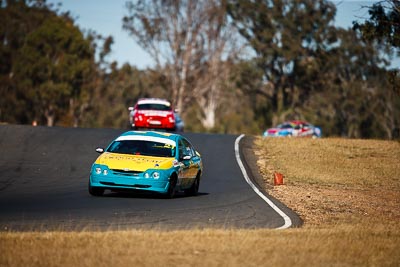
x,y
249,160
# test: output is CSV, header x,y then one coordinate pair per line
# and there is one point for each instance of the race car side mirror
x,y
99,150
186,157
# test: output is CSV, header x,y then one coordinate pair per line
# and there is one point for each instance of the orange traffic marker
x,y
278,178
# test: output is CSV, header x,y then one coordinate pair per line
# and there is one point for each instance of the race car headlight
x,y
146,175
99,170
156,175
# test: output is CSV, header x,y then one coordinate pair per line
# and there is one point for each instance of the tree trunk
x,y
209,113
50,116
181,89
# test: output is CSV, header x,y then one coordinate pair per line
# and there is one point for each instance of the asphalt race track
x,y
44,174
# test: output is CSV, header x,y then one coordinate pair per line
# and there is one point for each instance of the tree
x,y
17,20
53,65
284,34
119,88
189,40
383,25
48,61
383,28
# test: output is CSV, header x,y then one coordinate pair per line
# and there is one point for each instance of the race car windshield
x,y
284,126
154,106
141,147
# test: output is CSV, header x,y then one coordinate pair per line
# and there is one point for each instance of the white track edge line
x,y
288,221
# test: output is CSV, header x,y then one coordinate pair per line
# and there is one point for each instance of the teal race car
x,y
149,161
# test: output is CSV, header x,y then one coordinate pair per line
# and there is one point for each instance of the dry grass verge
x,y
347,191
340,246
335,181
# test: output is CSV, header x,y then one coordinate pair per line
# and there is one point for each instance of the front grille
x,y
124,172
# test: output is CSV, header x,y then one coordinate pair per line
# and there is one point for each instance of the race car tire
x,y
194,189
95,191
172,187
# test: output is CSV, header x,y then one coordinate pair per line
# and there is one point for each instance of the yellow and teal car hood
x,y
134,162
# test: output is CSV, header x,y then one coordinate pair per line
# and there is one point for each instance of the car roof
x,y
297,122
167,138
154,101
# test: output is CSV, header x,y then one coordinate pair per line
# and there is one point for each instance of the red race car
x,y
152,113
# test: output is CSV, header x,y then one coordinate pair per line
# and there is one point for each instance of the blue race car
x,y
295,128
149,161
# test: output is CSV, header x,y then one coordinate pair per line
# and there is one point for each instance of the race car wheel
x,y
95,191
172,187
194,189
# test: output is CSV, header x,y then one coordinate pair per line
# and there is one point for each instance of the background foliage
x,y
302,66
